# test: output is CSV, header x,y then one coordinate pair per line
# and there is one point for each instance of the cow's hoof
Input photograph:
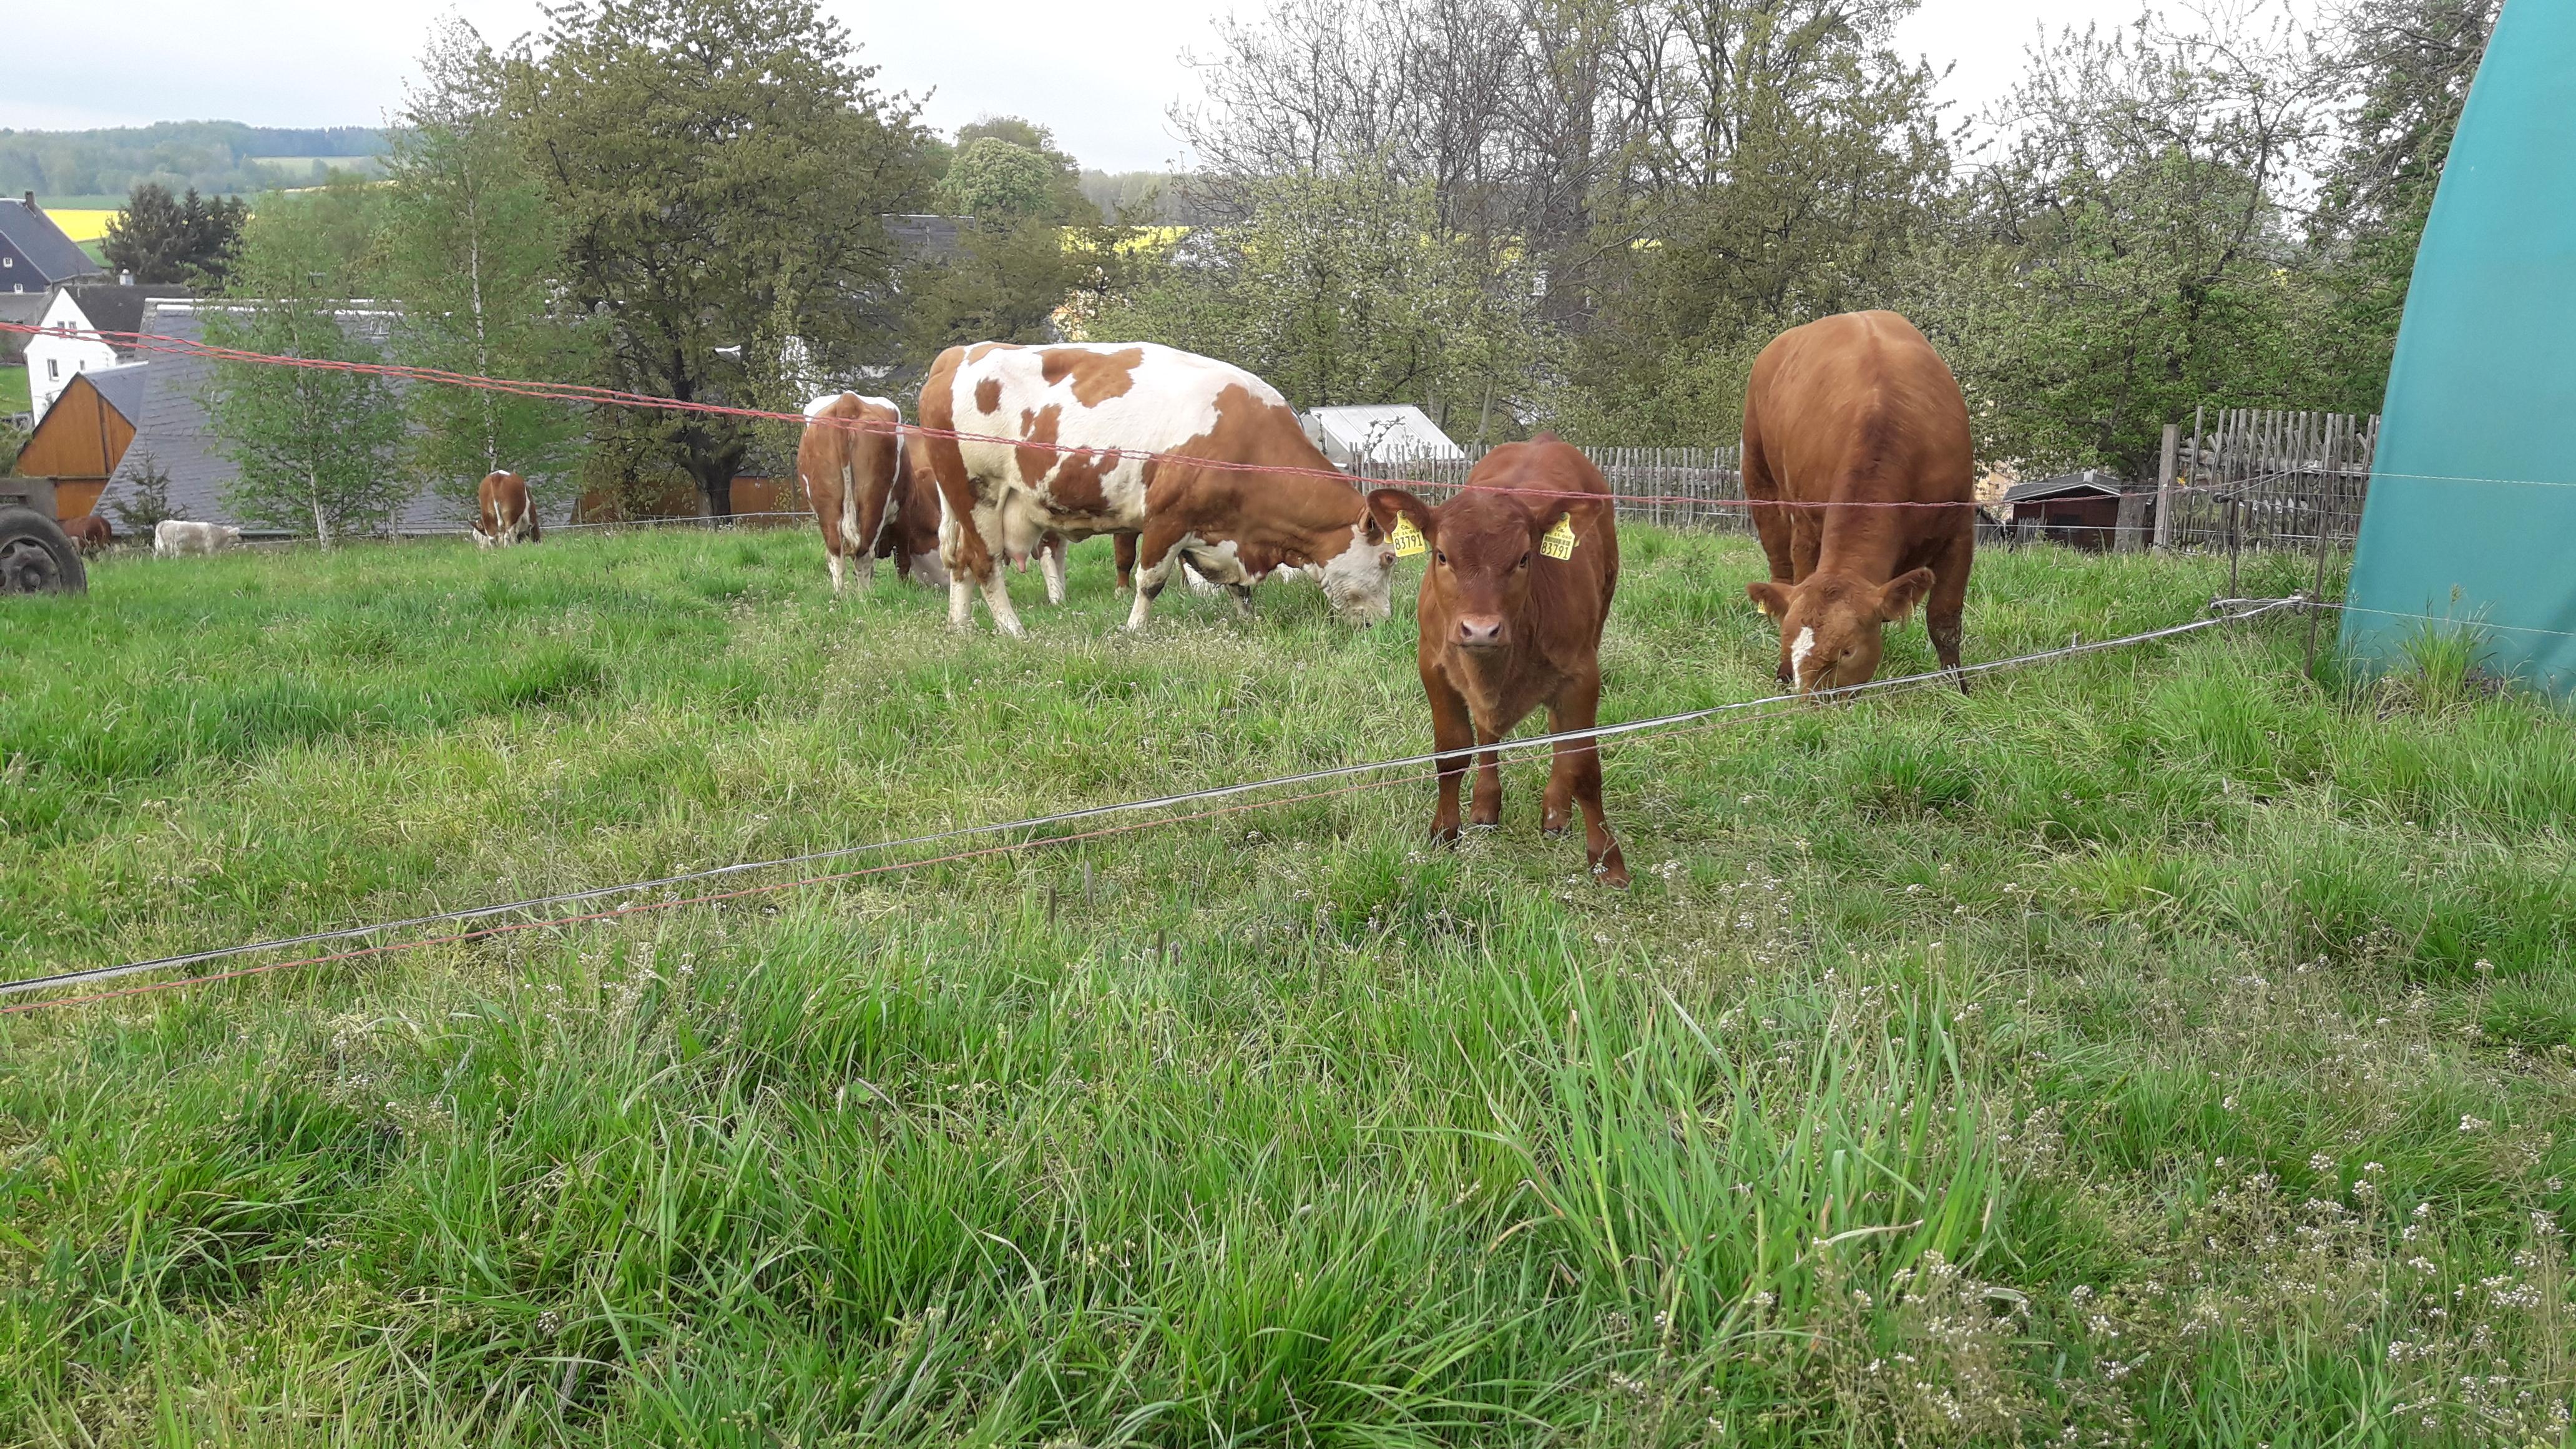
x,y
1611,871
1444,835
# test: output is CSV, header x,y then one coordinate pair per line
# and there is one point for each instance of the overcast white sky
x,y
1101,75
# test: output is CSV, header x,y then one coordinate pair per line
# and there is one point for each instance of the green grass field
x,y
14,396
2158,1047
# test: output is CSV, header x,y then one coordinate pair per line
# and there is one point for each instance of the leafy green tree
x,y
1008,285
2403,69
316,447
994,180
1792,158
2132,252
162,238
717,166
473,250
1341,289
1059,197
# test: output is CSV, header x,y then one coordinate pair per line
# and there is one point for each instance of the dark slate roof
x,y
42,243
933,238
174,431
25,308
2091,482
121,385
116,307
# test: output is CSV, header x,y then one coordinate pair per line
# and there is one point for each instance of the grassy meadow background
x,y
2160,1047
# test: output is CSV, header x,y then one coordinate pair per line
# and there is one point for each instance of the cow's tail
x,y
896,494
850,545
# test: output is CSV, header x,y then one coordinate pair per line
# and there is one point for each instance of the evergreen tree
x,y
165,239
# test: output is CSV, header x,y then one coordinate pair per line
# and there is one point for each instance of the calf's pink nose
x,y
1480,633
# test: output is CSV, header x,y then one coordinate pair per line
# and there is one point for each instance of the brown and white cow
x,y
850,459
502,515
1507,626
1109,438
1855,417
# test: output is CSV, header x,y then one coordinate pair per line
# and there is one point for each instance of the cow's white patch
x,y
815,408
997,602
1051,565
1210,564
1804,645
1357,581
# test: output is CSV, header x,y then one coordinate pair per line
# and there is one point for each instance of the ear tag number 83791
x,y
1559,541
1406,538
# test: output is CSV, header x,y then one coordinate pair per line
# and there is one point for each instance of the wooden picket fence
x,y
1676,487
2249,478
2258,478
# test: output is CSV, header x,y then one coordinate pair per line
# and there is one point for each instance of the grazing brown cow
x,y
91,533
1511,620
1843,413
501,513
1200,459
911,533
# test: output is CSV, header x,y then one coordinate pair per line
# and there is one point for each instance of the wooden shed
x,y
2078,509
83,436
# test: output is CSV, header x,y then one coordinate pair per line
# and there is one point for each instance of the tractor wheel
x,y
35,557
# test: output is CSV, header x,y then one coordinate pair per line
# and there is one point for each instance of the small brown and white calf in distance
x,y
502,513
1522,565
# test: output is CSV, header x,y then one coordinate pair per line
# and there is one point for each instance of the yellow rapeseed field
x,y
82,224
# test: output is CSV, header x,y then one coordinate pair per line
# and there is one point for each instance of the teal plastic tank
x,y
2472,509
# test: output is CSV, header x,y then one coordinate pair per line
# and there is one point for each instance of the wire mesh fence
x,y
1675,487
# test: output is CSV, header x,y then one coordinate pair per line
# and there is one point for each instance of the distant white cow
x,y
172,537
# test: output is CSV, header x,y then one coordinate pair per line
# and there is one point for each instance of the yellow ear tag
x,y
1559,542
1407,539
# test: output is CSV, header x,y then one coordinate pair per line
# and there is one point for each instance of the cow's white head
x,y
1360,580
1832,627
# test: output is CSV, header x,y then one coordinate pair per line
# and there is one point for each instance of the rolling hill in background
x,y
219,158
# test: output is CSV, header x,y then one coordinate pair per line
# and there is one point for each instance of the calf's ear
x,y
1583,515
1774,598
1387,505
1898,596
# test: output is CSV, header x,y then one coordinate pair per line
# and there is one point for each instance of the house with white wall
x,y
71,342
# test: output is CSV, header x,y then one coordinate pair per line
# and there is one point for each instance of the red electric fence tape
x,y
611,397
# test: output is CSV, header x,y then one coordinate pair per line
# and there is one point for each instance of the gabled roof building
x,y
34,252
